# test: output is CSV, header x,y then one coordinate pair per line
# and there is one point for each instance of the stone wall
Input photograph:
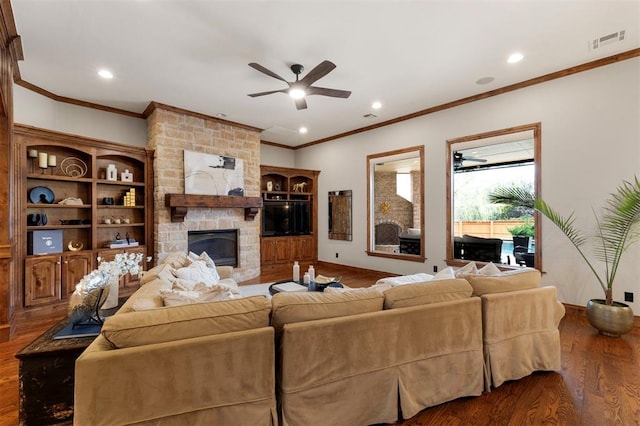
x,y
399,211
171,132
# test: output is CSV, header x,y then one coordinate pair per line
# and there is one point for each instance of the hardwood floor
x,y
599,383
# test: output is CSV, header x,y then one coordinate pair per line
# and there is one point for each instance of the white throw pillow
x,y
469,268
490,270
204,256
445,274
198,272
406,279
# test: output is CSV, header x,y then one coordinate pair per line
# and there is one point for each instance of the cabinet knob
x,y
66,261
58,262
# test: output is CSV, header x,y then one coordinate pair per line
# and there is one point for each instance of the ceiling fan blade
x,y
266,71
328,92
324,68
253,95
301,103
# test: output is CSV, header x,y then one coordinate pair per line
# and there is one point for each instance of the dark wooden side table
x,y
47,376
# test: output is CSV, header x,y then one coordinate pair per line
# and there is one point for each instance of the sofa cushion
x,y
298,307
520,279
184,322
425,293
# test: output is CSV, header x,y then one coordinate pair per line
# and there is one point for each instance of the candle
x,y
42,160
52,161
33,153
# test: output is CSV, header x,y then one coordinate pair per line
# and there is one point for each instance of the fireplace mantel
x,y
179,203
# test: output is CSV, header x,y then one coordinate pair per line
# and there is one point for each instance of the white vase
x,y
112,299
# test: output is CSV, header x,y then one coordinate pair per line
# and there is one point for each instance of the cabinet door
x,y
302,248
275,250
42,280
74,266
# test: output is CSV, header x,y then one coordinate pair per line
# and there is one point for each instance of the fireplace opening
x,y
221,245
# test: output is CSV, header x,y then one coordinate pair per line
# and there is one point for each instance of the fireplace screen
x,y
221,245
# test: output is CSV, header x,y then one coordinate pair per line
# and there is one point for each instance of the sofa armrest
x,y
521,333
225,271
124,386
513,313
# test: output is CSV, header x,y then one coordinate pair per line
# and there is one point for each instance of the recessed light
x,y
515,57
302,130
376,105
485,80
106,74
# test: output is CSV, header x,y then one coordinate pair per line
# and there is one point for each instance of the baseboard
x,y
582,310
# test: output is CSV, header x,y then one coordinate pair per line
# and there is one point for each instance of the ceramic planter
x,y
610,320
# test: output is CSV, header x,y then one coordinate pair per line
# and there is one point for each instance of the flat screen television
x,y
286,218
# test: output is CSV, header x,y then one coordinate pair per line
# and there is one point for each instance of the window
x,y
493,180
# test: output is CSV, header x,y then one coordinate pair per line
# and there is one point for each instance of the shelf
x,y
57,206
36,228
179,203
118,182
58,178
119,225
107,206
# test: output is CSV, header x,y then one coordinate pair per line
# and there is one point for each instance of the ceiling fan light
x,y
296,93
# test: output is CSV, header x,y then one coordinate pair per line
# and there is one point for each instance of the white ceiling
x,y
409,55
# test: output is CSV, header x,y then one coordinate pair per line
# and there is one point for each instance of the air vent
x,y
606,40
370,116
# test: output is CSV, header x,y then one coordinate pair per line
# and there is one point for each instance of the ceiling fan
x,y
300,88
459,158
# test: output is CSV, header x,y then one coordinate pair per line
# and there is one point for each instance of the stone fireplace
x,y
171,131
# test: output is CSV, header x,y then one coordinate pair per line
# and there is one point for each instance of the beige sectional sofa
x,y
354,357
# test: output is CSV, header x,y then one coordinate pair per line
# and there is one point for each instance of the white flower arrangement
x,y
84,300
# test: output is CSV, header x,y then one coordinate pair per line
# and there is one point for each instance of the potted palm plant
x,y
617,229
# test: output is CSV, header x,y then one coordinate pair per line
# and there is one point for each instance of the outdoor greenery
x,y
617,229
473,191
525,230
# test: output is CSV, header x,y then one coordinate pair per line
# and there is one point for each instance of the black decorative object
x,y
36,219
236,191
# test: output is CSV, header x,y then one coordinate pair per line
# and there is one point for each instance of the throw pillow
x,y
406,279
177,259
185,322
521,279
469,268
425,293
490,269
198,272
445,274
204,256
163,271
